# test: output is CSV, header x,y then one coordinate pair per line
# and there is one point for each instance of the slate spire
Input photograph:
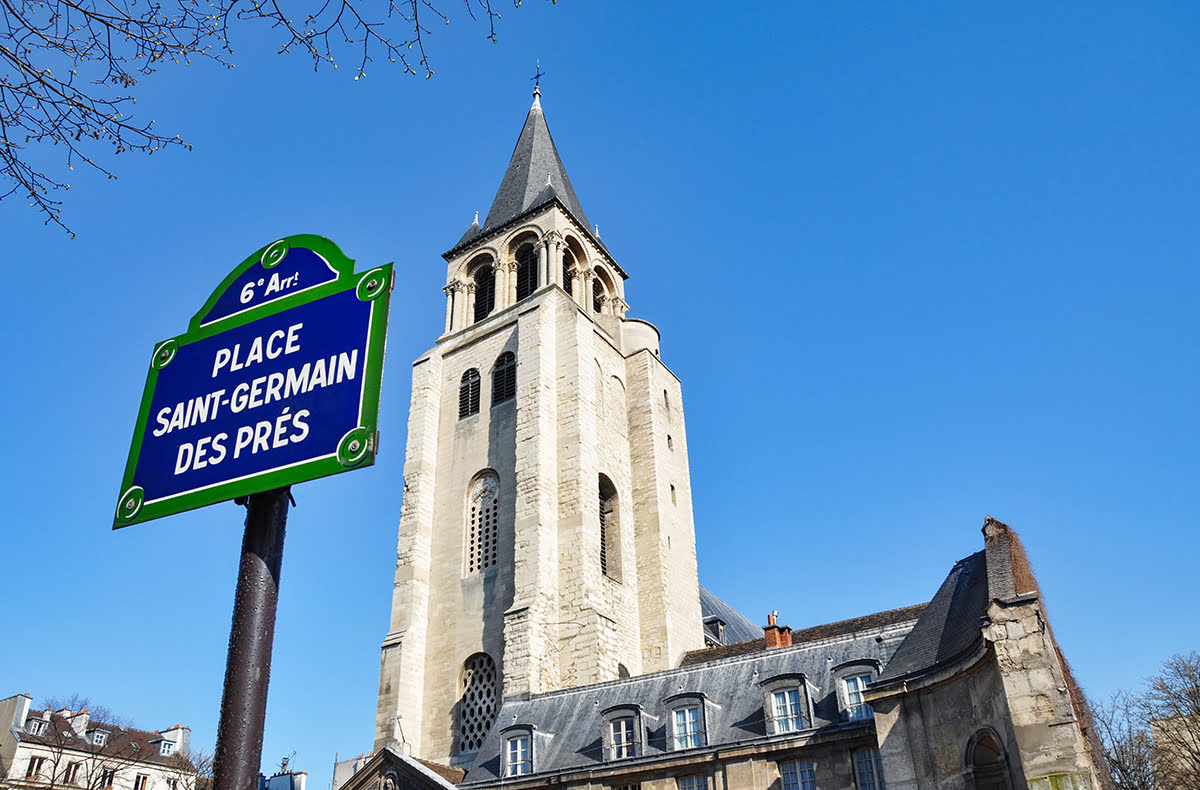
x,y
535,175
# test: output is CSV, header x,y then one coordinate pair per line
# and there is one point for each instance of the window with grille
x,y
485,292
568,265
856,708
868,770
787,710
610,541
483,516
686,727
527,274
622,738
798,775
477,706
468,394
518,760
692,782
504,378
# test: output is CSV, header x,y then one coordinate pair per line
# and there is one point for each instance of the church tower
x,y
546,537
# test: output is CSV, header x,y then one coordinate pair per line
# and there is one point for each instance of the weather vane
x,y
538,74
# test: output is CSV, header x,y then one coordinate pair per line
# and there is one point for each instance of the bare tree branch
x,y
65,67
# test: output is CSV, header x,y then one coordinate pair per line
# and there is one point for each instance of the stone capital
x,y
455,285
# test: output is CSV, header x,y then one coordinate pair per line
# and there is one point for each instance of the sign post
x,y
275,382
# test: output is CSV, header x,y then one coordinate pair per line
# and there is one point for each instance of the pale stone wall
x,y
546,613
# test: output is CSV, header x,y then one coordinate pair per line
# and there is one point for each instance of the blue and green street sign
x,y
275,382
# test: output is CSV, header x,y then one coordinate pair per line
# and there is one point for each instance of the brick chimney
x,y
777,635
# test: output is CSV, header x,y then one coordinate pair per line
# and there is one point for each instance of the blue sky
x,y
914,265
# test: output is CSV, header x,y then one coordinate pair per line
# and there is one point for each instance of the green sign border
x,y
358,447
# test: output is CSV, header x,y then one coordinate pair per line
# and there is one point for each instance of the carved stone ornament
x,y
469,288
454,285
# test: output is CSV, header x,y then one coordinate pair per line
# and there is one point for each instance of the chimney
x,y
79,722
777,635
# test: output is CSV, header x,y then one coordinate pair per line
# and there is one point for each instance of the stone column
x,y
469,318
584,295
555,263
543,254
449,290
512,281
455,291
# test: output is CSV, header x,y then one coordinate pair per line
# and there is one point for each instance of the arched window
x,y
504,378
610,536
483,516
527,271
468,394
568,265
985,760
485,292
597,295
477,706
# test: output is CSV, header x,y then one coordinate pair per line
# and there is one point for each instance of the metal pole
x,y
248,667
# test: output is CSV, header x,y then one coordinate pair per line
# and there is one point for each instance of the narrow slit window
x,y
568,265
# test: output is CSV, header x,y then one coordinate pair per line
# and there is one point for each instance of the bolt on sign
x,y
275,382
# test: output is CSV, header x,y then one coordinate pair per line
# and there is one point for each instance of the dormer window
x,y
622,732
856,708
786,703
166,748
518,754
686,727
787,710
35,726
99,737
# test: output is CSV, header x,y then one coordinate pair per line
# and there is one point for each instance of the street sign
x,y
275,382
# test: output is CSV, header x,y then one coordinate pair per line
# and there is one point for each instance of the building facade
x,y
547,623
46,749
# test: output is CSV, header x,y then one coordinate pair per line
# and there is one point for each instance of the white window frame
x,y
71,774
692,734
107,777
99,737
36,764
868,769
166,748
794,717
860,710
622,737
518,754
35,726
798,774
140,781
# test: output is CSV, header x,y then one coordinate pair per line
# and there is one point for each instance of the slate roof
x,y
535,176
568,725
952,625
867,623
738,627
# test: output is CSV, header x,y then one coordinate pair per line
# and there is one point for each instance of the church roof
x,y
952,625
738,627
535,175
568,725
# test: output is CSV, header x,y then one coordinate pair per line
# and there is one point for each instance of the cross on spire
x,y
537,78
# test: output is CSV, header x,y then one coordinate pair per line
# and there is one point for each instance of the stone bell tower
x,y
546,537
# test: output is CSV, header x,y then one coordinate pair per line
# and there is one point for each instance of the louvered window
x,y
527,273
597,294
603,535
504,378
477,706
468,394
568,264
485,292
